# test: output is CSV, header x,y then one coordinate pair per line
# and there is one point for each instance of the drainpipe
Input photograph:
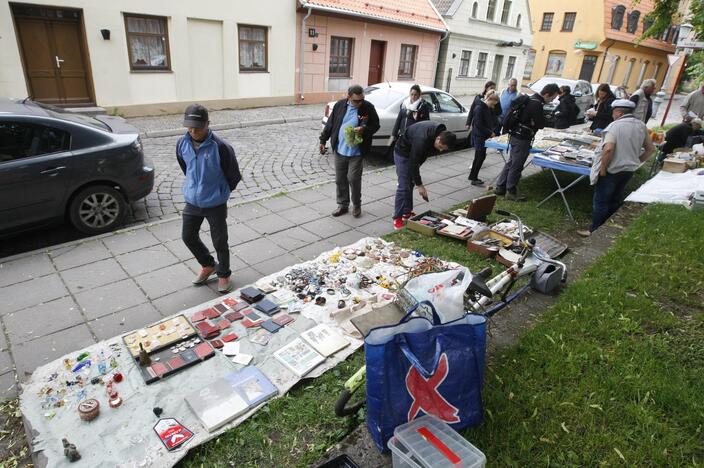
x,y
303,43
606,53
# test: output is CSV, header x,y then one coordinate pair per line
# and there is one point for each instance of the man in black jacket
x,y
680,135
412,149
530,120
362,120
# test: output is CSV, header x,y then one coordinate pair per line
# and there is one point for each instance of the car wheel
x,y
97,209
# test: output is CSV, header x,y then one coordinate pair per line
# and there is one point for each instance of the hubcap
x,y
99,210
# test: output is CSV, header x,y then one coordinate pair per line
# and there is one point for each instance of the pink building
x,y
364,42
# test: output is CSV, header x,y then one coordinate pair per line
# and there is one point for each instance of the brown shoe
x,y
205,273
356,211
224,285
340,211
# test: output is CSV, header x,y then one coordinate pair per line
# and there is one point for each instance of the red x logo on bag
x,y
426,396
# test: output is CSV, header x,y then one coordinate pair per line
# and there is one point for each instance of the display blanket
x,y
359,278
667,187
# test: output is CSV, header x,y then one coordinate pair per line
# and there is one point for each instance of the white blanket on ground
x,y
669,188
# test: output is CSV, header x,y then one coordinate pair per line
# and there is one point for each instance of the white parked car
x,y
387,98
619,91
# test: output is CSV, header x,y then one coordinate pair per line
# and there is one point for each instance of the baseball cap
x,y
623,103
196,116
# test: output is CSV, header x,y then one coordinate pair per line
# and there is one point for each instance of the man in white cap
x,y
624,147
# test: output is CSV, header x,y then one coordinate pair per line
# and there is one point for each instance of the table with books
x,y
146,397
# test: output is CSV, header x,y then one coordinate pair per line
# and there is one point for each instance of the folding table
x,y
552,165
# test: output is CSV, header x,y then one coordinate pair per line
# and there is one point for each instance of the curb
x,y
229,126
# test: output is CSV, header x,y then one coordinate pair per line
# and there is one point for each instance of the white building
x,y
489,40
148,57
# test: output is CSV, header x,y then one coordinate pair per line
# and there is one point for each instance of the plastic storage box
x,y
427,442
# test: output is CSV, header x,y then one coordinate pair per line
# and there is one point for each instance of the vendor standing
x,y
625,146
413,148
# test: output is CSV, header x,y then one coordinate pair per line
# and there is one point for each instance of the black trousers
x,y
217,219
479,157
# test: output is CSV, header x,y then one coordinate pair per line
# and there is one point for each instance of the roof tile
x,y
418,13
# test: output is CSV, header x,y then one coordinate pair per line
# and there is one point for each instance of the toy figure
x,y
70,451
144,359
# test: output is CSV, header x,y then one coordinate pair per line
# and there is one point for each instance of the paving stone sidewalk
x,y
64,298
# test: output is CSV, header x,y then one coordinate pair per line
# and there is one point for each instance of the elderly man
x,y
641,98
507,97
625,146
694,103
359,115
681,136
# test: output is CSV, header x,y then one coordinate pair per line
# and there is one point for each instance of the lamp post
x,y
685,29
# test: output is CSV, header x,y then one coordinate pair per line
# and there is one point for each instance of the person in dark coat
x,y
680,135
488,86
413,109
567,110
361,116
600,112
483,128
413,148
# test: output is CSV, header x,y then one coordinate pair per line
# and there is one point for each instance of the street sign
x,y
687,44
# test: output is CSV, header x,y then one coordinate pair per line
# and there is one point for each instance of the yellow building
x,y
595,41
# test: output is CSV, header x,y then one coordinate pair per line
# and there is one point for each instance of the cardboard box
x,y
414,224
676,166
474,246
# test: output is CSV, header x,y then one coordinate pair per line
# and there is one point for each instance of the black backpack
x,y
512,120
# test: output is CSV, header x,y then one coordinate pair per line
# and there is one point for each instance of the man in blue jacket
x,y
212,173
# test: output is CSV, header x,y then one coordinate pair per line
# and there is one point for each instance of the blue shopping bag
x,y
422,366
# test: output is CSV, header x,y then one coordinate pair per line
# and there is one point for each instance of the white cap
x,y
623,103
698,122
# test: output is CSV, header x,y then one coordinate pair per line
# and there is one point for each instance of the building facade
x,y
148,57
489,39
343,42
596,42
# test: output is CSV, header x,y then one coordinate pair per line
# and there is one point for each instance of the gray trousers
x,y
348,176
511,173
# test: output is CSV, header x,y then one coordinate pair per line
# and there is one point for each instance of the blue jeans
x,y
404,189
608,197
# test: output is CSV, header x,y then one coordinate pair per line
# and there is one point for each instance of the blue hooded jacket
x,y
211,173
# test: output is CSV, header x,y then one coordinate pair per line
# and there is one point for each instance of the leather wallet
x,y
223,324
217,344
211,313
198,317
271,326
283,319
232,316
251,294
229,337
266,306
221,308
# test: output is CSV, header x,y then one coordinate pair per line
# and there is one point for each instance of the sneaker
x,y
477,182
584,233
205,273
224,285
407,216
398,223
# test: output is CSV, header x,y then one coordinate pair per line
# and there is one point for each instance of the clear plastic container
x,y
427,442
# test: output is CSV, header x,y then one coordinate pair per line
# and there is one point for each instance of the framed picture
x,y
556,64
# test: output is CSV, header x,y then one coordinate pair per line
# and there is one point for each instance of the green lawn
x,y
611,371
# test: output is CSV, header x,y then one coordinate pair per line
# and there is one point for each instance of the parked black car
x,y
57,165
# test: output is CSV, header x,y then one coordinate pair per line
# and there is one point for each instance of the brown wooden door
x,y
376,62
53,57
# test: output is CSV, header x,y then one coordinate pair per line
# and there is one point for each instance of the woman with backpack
x,y
483,127
413,109
567,111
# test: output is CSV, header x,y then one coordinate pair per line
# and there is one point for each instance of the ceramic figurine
x,y
70,451
144,359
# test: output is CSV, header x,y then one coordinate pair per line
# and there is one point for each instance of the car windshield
x,y
383,97
58,113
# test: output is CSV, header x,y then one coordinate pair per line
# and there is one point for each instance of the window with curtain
x,y
407,63
464,62
340,57
481,64
253,48
510,66
505,12
147,42
617,13
568,22
491,10
633,18
546,25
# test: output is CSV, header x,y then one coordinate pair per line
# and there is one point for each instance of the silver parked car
x,y
581,90
387,98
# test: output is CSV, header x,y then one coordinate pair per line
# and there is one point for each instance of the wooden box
x,y
483,250
415,225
